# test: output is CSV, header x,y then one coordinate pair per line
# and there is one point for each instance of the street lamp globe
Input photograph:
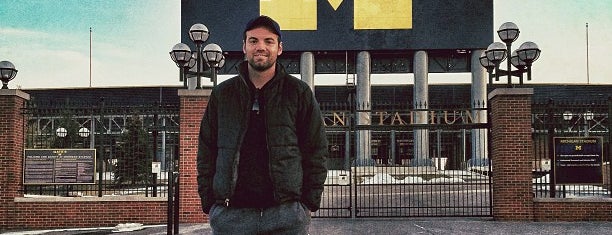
x,y
588,116
517,62
496,52
568,115
485,62
181,54
212,54
61,132
198,33
222,62
193,61
7,73
508,32
84,132
528,52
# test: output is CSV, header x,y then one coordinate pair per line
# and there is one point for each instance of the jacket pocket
x,y
225,171
287,171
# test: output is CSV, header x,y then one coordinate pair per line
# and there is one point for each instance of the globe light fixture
x,y
211,55
61,132
497,52
84,132
181,55
7,73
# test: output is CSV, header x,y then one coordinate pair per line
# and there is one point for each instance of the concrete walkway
x,y
381,226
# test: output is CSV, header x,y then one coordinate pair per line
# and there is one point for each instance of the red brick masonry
x,y
511,154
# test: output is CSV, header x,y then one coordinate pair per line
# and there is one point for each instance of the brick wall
x,y
19,212
11,150
511,154
87,212
193,104
573,209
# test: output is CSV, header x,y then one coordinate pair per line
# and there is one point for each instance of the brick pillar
x,y
12,126
512,153
193,104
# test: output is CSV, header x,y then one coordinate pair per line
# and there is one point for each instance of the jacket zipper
x,y
235,170
274,194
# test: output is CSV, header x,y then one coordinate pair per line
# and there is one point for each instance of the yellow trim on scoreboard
x,y
291,14
383,14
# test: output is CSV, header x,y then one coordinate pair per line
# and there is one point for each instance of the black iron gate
x,y
575,119
128,139
392,166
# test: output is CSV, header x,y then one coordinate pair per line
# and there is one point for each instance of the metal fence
x,y
127,138
386,160
555,119
390,165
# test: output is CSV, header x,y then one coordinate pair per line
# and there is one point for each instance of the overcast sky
x,y
49,42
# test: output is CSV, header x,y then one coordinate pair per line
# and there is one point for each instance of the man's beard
x,y
262,66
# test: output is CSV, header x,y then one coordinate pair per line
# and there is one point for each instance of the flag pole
x,y
90,57
587,53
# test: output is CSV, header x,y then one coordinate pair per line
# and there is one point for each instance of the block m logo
x,y
367,14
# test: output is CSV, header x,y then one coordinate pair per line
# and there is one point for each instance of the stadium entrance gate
x,y
381,176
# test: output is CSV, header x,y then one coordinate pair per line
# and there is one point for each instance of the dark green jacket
x,y
295,133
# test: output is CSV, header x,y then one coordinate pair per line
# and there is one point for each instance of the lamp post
x,y
198,34
497,52
7,73
211,55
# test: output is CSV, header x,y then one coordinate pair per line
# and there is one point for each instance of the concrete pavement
x,y
455,226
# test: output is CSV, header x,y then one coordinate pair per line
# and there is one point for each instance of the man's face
x,y
261,48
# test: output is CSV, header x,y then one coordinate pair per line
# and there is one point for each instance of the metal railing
x,y
381,174
555,119
127,139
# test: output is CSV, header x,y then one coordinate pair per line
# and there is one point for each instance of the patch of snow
x,y
383,178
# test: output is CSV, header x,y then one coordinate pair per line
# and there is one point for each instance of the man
x,y
262,144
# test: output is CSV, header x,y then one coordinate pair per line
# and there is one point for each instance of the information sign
x,y
578,160
59,166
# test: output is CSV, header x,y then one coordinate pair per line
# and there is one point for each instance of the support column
x,y
12,127
512,153
307,69
480,155
420,105
364,155
193,104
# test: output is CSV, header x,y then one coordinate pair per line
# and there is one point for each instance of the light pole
x,y
7,73
198,34
522,58
211,55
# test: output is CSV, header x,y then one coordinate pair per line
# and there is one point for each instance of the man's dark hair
x,y
263,22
